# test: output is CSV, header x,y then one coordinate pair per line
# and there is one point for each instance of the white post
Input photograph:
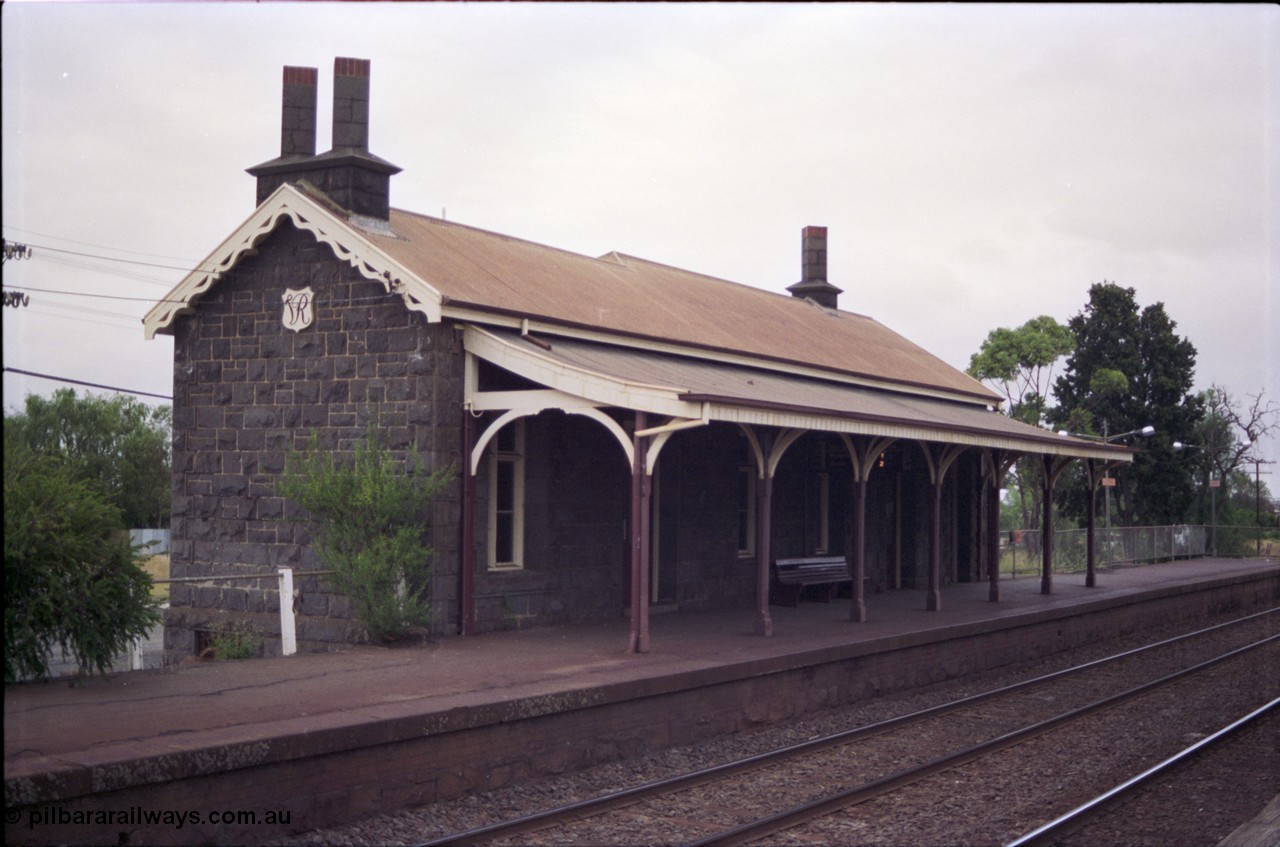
x,y
136,654
288,633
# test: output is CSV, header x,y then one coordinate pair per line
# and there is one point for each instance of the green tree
x,y
369,513
1250,501
1130,370
72,580
1019,364
118,445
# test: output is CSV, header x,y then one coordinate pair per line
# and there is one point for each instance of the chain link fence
x,y
1128,545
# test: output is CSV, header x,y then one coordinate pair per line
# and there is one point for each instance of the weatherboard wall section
x,y
246,389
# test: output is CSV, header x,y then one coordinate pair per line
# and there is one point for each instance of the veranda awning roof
x,y
687,388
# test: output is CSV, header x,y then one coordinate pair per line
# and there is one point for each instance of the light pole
x,y
1145,432
1214,449
1214,483
1107,482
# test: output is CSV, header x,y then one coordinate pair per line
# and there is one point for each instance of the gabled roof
x,y
617,330
444,269
313,214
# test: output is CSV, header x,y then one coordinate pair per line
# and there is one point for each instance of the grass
x,y
158,567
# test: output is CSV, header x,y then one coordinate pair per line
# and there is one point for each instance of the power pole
x,y
1257,493
13,250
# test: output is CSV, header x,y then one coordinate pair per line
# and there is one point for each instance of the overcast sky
x,y
977,166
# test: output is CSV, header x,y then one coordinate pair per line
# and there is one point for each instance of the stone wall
x,y
698,498
247,389
577,502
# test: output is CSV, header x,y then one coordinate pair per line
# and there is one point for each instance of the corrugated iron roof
x,y
677,340
476,270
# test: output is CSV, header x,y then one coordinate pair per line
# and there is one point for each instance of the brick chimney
x,y
351,104
298,115
813,269
348,174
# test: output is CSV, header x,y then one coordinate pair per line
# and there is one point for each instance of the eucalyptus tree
x,y
1019,364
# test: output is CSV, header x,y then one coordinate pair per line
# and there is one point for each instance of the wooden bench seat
x,y
789,576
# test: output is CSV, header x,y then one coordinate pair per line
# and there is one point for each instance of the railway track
x,y
805,792
1131,812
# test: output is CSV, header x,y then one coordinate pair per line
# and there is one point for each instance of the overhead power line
x,y
99,317
101,268
30,232
187,268
376,298
70,381
98,296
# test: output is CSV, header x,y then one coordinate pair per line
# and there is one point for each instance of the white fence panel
x,y
160,537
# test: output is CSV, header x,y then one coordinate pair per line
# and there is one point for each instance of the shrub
x,y
235,640
72,581
369,514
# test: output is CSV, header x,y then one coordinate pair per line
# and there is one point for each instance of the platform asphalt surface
x,y
52,725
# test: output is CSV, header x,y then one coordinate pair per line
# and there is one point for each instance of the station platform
x,y
307,722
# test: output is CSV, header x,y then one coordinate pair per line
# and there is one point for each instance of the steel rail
x,y
836,801
605,802
1078,815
